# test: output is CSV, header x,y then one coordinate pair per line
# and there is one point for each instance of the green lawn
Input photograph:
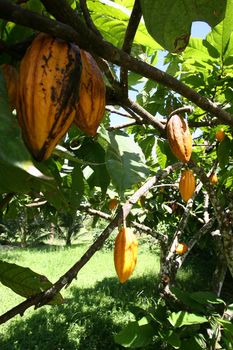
x,y
96,304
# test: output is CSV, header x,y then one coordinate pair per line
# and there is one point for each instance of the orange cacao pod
x,y
48,87
112,204
187,184
181,248
213,179
125,253
91,106
11,78
220,135
179,137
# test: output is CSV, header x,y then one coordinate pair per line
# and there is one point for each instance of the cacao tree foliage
x,y
130,41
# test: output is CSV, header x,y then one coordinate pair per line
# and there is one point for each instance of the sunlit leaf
x,y
169,23
25,282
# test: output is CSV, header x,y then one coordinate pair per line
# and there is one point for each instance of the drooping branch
x,y
44,297
224,221
78,32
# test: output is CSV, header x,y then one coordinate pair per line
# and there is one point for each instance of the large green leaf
x,y
220,35
93,154
184,318
125,161
112,20
25,282
169,22
136,334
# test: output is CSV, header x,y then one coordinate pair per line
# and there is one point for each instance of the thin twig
x,y
128,42
124,125
146,116
87,17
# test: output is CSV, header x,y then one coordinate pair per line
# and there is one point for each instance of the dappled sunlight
x,y
87,320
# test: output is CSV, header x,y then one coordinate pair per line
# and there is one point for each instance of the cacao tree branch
x,y
221,265
146,116
87,17
44,297
224,222
128,42
78,33
169,266
125,125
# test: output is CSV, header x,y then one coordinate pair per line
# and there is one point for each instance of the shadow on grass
x,y
87,321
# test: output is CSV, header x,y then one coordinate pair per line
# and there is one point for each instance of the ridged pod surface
x,y
125,253
187,184
179,137
48,89
11,78
91,106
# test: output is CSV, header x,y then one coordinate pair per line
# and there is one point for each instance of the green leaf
x,y
125,161
77,187
169,22
224,152
184,318
186,299
161,154
171,338
112,20
135,335
228,326
93,154
206,298
164,154
198,51
25,282
197,342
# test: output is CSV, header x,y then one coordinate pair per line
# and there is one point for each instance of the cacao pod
x,y
187,184
179,137
125,253
219,135
48,87
112,204
213,179
91,106
11,78
181,248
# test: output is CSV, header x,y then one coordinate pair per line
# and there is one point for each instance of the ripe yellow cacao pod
x,y
125,253
11,78
213,179
112,204
48,87
179,137
181,248
220,135
91,106
187,184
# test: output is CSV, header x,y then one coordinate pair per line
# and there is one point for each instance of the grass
x,y
96,304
